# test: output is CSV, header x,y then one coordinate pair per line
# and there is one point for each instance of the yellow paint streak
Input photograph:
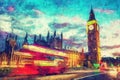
x,y
28,55
58,77
44,50
91,22
45,63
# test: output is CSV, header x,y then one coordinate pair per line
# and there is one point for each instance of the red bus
x,y
44,61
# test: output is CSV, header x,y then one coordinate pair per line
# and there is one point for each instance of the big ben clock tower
x,y
93,39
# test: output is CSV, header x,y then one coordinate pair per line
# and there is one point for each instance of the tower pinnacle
x,y
92,15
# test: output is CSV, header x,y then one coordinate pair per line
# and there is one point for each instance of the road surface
x,y
70,75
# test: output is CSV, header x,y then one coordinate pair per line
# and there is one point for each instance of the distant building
x,y
3,59
26,39
75,58
52,41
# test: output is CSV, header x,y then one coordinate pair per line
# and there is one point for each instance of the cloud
x,y
60,25
19,32
116,54
106,11
110,33
32,25
74,26
5,23
40,25
72,44
38,12
110,47
71,20
75,43
115,23
66,25
5,17
115,35
109,37
71,32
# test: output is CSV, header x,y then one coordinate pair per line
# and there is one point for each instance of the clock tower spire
x,y
92,15
93,38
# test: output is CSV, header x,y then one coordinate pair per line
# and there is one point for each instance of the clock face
x,y
91,27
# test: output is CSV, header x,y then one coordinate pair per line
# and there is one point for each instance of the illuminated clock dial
x,y
91,27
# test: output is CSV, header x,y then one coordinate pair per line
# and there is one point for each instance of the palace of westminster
x,y
56,42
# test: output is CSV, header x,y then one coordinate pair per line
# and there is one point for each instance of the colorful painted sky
x,y
66,16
